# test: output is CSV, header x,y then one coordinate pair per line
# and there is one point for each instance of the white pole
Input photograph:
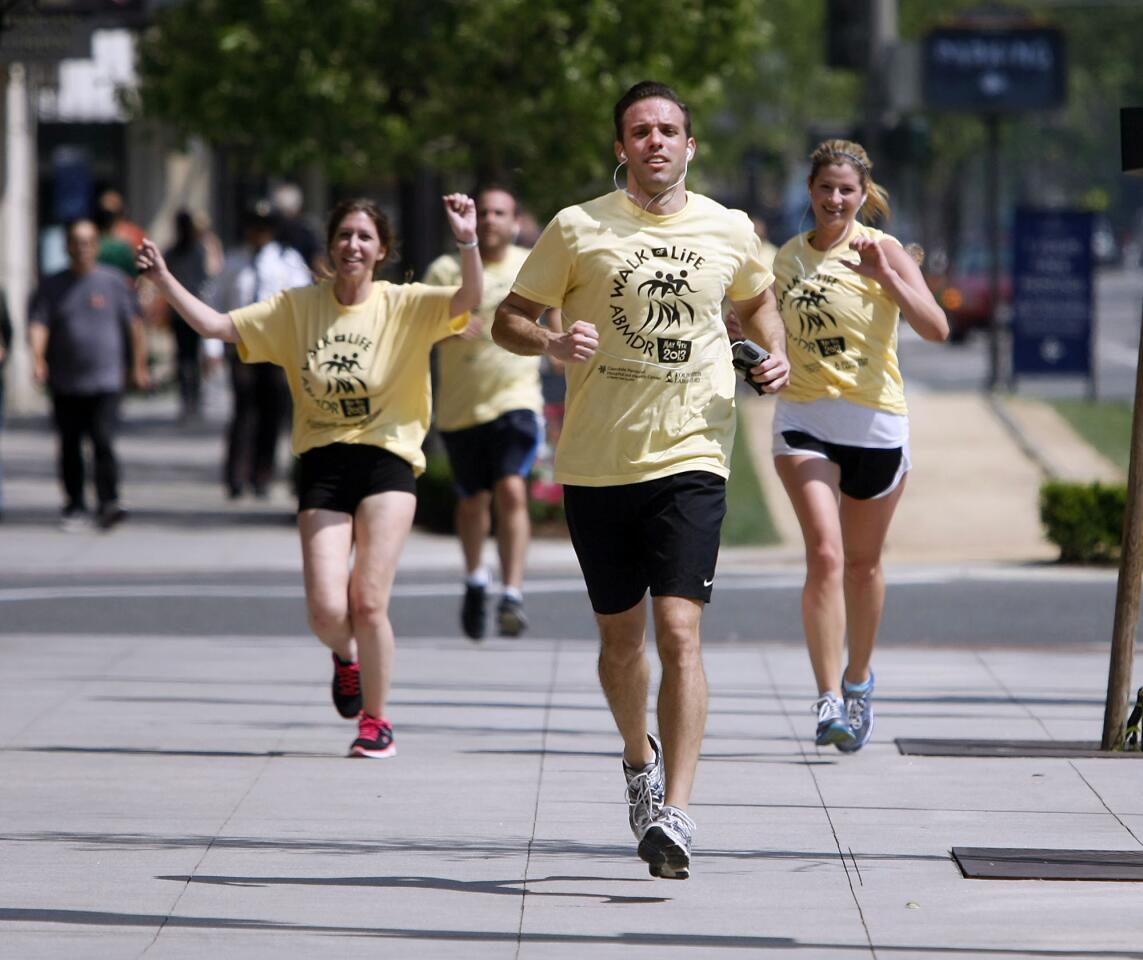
x,y
18,212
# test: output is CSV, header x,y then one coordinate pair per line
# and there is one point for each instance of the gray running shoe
x,y
832,724
666,844
510,617
858,712
646,790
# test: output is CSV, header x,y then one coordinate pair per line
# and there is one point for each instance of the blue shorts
x,y
482,455
662,535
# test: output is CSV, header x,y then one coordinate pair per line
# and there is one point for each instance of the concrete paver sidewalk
x,y
184,797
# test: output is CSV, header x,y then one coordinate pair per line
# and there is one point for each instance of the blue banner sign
x,y
1052,292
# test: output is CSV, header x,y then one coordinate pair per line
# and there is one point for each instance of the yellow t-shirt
x,y
357,374
658,396
841,327
480,381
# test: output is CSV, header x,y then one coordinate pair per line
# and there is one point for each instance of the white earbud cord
x,y
802,241
655,199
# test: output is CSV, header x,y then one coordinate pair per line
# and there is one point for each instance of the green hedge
x,y
436,496
1084,520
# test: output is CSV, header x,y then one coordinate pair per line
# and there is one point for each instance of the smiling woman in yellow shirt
x,y
841,431
356,355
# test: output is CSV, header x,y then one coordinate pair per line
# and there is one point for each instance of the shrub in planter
x,y
1084,520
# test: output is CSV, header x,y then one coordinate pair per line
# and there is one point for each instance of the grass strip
x,y
1106,426
748,520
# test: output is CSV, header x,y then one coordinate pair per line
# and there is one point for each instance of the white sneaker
x,y
666,844
833,727
646,790
73,520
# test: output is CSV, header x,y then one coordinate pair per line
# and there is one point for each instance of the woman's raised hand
x,y
872,262
461,212
148,259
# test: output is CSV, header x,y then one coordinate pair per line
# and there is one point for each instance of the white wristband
x,y
471,245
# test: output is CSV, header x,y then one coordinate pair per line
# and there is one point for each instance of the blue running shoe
x,y
858,712
832,725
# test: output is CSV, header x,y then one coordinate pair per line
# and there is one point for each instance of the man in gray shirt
x,y
86,334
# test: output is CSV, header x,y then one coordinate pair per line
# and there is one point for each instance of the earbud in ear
x,y
622,158
690,154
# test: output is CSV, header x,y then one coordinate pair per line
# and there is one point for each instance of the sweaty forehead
x,y
653,111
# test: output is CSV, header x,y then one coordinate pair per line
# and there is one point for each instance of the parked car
x,y
964,291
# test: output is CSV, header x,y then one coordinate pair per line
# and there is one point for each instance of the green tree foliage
x,y
770,126
372,88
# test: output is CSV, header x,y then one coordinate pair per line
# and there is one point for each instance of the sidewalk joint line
x,y
193,872
825,807
853,860
545,726
1099,797
1007,691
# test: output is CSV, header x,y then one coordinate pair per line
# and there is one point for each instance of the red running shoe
x,y
374,739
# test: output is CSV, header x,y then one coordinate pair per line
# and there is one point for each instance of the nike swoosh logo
x,y
707,583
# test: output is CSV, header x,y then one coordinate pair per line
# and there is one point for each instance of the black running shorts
x,y
339,476
480,456
866,472
661,535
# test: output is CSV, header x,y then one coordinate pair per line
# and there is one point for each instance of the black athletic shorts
x,y
482,455
339,476
661,535
866,472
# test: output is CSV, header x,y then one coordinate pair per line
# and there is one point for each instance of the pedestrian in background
x,y
260,408
356,355
110,219
841,431
85,330
488,412
293,227
195,257
111,204
5,350
640,275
